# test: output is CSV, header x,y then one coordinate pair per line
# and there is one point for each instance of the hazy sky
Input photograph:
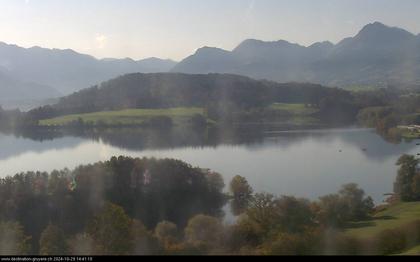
x,y
176,28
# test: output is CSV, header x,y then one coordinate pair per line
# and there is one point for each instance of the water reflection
x,y
302,163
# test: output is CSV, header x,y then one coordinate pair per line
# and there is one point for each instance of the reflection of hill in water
x,y
376,147
140,139
126,138
13,146
372,145
367,141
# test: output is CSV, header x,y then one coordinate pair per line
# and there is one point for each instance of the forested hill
x,y
164,90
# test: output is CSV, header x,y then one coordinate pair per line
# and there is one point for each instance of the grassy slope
x,y
300,113
392,217
128,116
412,251
361,88
409,134
296,109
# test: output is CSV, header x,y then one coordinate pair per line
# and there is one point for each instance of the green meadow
x,y
125,117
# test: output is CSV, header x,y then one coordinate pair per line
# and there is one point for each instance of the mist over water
x,y
305,164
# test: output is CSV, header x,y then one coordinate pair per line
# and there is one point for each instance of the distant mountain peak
x,y
250,44
377,24
374,27
206,48
154,59
210,50
6,45
251,40
324,44
379,31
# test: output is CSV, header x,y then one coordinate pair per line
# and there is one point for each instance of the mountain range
x,y
379,55
55,72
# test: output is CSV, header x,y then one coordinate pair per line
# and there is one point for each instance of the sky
x,y
176,28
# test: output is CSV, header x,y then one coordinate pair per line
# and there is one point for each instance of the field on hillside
x,y
295,109
410,134
361,88
395,216
392,217
412,251
300,114
125,117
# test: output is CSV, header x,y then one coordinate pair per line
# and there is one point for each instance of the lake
x,y
301,163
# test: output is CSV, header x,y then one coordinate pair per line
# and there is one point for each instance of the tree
x,y
291,244
332,211
406,186
110,230
358,207
52,242
270,220
198,122
143,242
167,233
81,244
215,186
160,122
268,215
13,240
294,215
204,232
242,194
348,205
261,213
386,123
415,186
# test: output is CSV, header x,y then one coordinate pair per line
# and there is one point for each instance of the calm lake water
x,y
301,163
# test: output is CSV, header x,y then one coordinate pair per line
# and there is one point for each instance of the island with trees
x,y
133,206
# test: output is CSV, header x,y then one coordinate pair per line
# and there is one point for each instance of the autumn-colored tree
x,y
203,231
143,242
81,244
261,213
111,230
241,194
406,184
350,204
167,233
13,240
53,242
